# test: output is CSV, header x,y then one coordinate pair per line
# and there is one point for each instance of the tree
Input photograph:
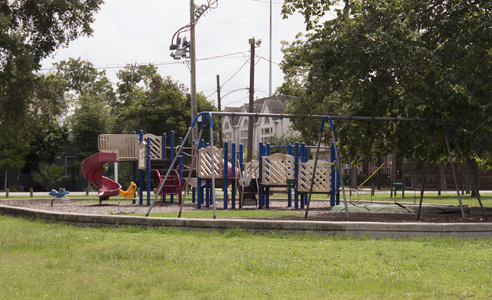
x,y
283,140
48,174
90,119
90,98
414,59
30,31
48,143
154,104
13,147
49,137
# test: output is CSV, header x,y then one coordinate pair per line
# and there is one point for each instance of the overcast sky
x,y
129,32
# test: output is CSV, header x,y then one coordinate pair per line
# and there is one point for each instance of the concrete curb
x,y
357,229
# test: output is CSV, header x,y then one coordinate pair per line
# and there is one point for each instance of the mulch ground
x,y
318,212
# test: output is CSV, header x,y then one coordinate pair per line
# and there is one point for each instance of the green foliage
x,y
48,143
148,102
90,119
90,98
30,31
412,59
48,174
284,140
14,145
160,107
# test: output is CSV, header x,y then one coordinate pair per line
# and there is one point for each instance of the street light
x,y
187,49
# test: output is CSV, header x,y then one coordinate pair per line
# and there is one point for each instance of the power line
x,y
122,66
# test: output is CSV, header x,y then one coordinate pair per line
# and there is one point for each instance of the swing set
x,y
289,182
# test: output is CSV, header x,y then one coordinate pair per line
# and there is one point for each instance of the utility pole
x,y
193,68
270,62
249,157
220,117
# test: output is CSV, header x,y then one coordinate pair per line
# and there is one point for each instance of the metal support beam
x,y
293,116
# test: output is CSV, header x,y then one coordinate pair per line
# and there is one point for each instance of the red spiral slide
x,y
92,169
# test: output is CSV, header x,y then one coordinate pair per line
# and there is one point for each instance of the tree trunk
x,y
438,181
353,177
473,168
441,168
5,181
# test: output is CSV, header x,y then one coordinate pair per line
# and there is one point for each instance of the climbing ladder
x,y
172,186
247,191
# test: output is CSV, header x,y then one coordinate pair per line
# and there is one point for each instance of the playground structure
x,y
269,171
337,160
92,169
148,153
278,171
213,168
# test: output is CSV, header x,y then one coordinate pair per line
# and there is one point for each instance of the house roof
x,y
233,120
275,105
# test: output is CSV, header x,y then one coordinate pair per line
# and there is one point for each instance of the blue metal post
x,y
296,171
199,201
241,151
267,190
305,159
303,149
134,173
226,156
234,175
261,149
164,153
171,155
148,171
332,176
289,191
337,184
141,175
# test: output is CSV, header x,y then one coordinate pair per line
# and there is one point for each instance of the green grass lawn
x,y
55,261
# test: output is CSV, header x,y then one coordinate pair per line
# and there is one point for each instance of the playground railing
x,y
322,178
277,169
126,145
122,144
252,169
204,167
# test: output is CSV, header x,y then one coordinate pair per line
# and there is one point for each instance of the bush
x,y
16,188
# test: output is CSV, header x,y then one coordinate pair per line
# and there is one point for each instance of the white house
x,y
235,129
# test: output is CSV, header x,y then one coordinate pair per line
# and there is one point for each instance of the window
x,y
266,130
227,135
245,143
244,133
226,125
265,139
267,120
245,123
